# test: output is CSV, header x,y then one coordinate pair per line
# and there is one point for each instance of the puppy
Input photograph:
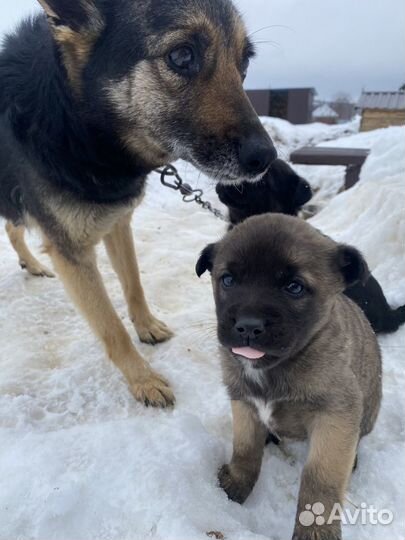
x,y
283,190
280,190
299,358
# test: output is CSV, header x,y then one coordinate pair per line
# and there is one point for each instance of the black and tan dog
x,y
299,358
283,190
94,94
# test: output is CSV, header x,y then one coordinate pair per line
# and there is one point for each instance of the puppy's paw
x,y
35,268
154,391
235,483
151,330
317,533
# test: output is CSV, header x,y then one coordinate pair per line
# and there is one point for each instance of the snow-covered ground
x,y
81,460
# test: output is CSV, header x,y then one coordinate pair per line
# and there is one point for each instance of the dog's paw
x,y
153,391
317,533
151,330
36,269
236,485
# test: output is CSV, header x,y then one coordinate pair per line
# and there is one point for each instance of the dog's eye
x,y
245,67
227,280
183,60
295,288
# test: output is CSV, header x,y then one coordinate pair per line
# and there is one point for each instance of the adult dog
x,y
94,94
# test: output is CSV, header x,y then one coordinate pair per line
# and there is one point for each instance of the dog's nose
x,y
249,327
256,153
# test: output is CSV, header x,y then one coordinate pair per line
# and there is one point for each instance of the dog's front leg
x,y
121,250
333,444
83,282
249,437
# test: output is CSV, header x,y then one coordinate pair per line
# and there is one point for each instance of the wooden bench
x,y
351,158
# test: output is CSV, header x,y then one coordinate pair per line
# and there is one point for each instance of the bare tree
x,y
342,97
343,105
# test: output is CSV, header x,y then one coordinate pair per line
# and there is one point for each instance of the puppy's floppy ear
x,y
205,262
290,190
352,265
303,193
75,25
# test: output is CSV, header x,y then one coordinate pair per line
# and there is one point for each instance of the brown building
x,y
292,104
381,109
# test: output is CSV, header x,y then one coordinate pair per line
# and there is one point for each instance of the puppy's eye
x,y
295,288
183,60
227,281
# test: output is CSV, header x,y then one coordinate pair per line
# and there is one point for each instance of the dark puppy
x,y
95,94
371,298
298,357
282,190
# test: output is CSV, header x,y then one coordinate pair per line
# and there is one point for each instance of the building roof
x,y
324,111
289,89
382,100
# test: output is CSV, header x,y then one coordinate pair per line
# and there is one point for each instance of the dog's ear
x,y
281,177
352,265
73,14
303,193
75,25
288,188
206,259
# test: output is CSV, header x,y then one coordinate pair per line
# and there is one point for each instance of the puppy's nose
x,y
249,327
256,153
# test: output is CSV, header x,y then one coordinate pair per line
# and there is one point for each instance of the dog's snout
x,y
249,327
256,153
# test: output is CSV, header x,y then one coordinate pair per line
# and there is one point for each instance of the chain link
x,y
189,194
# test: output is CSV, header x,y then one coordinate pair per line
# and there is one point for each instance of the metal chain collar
x,y
189,194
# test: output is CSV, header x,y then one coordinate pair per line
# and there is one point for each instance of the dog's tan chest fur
x,y
86,223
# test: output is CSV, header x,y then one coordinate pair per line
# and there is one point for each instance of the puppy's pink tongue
x,y
248,352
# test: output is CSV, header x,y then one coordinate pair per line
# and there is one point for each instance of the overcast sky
x,y
332,45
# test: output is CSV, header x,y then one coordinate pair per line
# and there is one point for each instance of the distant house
x,y
292,104
381,109
324,113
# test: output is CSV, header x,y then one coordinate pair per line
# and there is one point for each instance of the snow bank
x,y
80,460
374,213
326,181
289,137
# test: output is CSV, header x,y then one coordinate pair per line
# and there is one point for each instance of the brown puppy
x,y
298,357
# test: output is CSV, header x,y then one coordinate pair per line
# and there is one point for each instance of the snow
x,y
81,460
288,137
